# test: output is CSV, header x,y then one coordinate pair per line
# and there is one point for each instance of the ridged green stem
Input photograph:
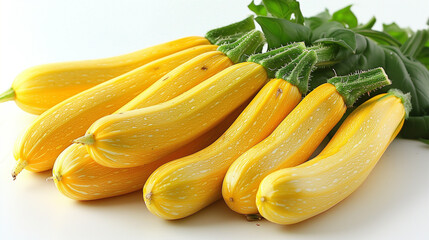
x,y
353,86
7,96
325,54
230,33
298,71
405,98
250,43
275,59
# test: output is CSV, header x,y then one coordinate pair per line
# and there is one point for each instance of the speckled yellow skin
x,y
184,186
55,129
141,136
180,80
291,143
41,87
294,194
79,177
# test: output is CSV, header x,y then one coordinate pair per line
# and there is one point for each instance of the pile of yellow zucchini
x,y
204,118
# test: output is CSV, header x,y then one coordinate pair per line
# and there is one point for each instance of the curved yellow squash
x,y
79,177
184,186
291,143
141,136
55,129
39,88
180,80
294,194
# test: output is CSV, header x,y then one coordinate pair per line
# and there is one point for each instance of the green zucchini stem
x,y
298,71
231,32
250,43
353,86
276,59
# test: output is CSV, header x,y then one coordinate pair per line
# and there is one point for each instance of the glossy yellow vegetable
x,y
296,138
294,194
41,87
55,129
144,135
180,80
184,186
79,177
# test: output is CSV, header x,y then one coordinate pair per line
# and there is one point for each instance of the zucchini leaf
x,y
334,33
280,32
400,34
346,17
284,9
403,54
260,9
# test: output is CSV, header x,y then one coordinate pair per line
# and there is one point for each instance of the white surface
x,y
391,204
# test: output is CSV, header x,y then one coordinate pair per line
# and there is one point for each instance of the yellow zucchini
x,y
145,135
184,186
296,138
180,80
79,177
39,88
294,194
141,136
55,129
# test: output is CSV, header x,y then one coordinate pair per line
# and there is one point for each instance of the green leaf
x,y
367,25
346,17
280,32
423,57
319,19
260,9
334,33
425,141
380,37
284,9
415,44
400,34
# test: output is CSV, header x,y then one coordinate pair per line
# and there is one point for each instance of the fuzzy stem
x,y
20,165
7,96
405,99
88,139
250,43
325,54
353,86
276,59
230,33
298,71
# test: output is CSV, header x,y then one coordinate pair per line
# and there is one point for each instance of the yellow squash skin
x,y
79,177
180,80
294,194
291,143
39,88
55,129
184,186
141,136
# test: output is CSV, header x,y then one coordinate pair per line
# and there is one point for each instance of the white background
x,y
391,204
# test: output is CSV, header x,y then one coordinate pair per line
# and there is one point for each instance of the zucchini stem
x,y
353,86
298,71
231,32
276,59
250,43
325,54
7,96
